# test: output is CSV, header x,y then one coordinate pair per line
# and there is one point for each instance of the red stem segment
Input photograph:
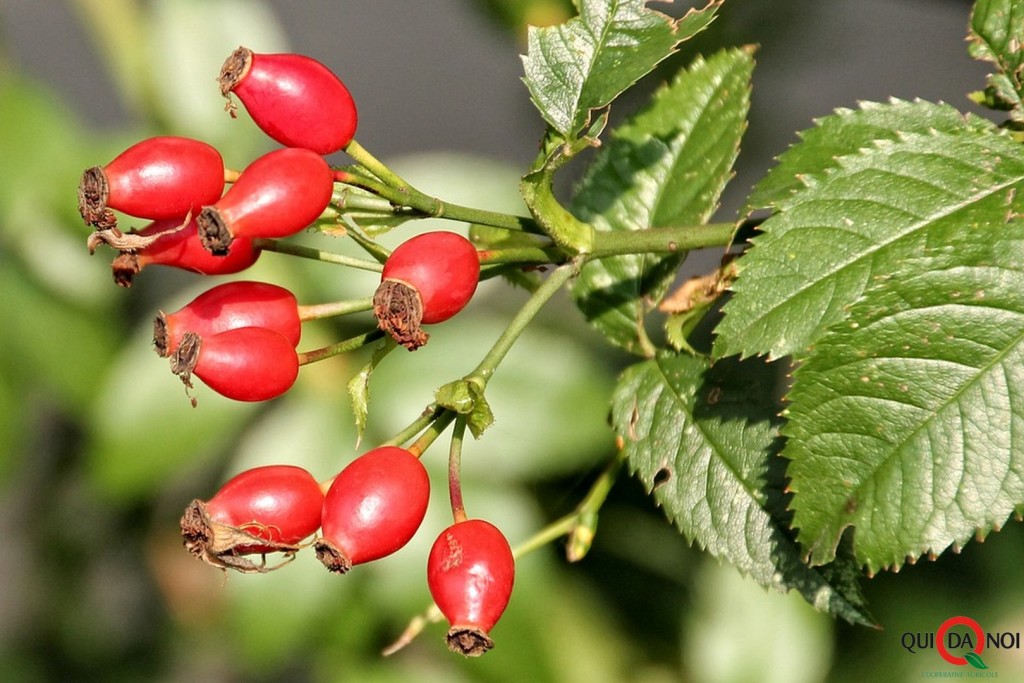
x,y
455,470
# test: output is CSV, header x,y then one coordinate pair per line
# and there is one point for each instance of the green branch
x,y
291,249
482,373
357,342
401,193
664,240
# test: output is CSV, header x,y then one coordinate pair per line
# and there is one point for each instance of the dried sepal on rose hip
x,y
243,303
426,279
161,177
262,510
470,573
372,508
174,243
293,98
277,195
243,364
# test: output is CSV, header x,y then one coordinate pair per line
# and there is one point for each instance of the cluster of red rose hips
x,y
371,509
240,338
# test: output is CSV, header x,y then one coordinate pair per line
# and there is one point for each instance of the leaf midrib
x,y
930,415
911,229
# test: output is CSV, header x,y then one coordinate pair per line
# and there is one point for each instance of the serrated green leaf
x,y
679,326
997,28
906,419
702,438
665,166
359,386
585,63
856,225
846,132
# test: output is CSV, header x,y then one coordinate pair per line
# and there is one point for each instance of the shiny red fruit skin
x,y
443,267
165,177
280,503
182,249
298,102
470,572
247,363
277,195
376,504
231,305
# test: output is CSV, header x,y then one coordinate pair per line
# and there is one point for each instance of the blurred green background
x,y
100,450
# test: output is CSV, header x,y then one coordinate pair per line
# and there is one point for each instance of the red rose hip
x,y
161,177
169,243
373,508
294,99
244,364
426,279
277,195
262,510
228,306
470,572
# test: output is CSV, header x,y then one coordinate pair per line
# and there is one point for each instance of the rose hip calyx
x,y
425,280
261,510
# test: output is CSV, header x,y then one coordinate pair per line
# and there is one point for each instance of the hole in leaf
x,y
661,477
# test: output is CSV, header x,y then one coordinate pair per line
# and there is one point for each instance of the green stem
x,y
436,428
393,196
581,534
455,470
307,357
334,308
401,193
431,413
365,242
662,240
522,255
551,532
283,247
432,207
347,201
482,373
602,486
549,216
567,231
375,166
